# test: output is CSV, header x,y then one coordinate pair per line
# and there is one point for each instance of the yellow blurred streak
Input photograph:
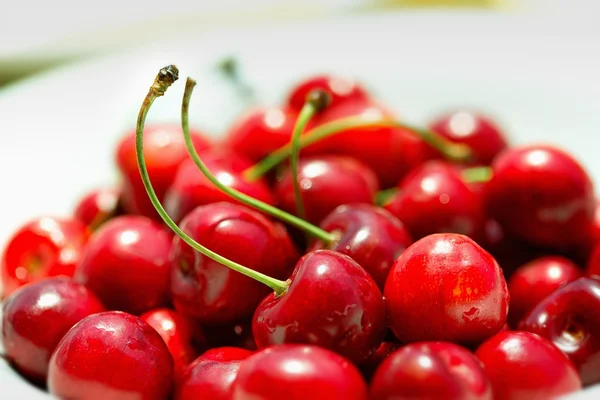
x,y
389,4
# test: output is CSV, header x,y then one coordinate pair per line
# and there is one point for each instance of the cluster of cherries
x,y
386,262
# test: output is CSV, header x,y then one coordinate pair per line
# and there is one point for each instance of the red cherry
x,y
111,355
340,89
41,248
446,287
370,365
237,334
208,290
370,235
37,316
593,265
536,280
434,199
97,206
126,264
570,318
211,375
326,182
432,370
522,365
331,302
297,372
480,133
542,195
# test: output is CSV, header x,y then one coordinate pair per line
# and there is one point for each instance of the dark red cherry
x,y
370,235
210,291
536,280
522,365
593,265
37,316
570,318
211,375
434,199
190,188
97,207
298,372
370,365
483,136
164,149
331,302
236,334
446,287
41,248
111,355
326,182
432,370
126,264
542,195
340,89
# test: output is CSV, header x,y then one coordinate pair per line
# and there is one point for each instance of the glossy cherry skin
x,y
126,264
331,302
190,188
570,318
536,280
41,248
445,287
340,89
542,195
295,372
523,365
483,136
183,336
111,355
98,206
434,199
211,292
211,375
164,150
432,370
326,182
37,316
370,235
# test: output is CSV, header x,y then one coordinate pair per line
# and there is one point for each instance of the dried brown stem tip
x,y
319,99
165,78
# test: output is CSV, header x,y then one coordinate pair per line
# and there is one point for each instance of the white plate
x,y
538,77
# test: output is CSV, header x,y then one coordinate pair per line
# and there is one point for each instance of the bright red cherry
x,y
522,365
536,280
126,264
331,302
434,199
570,318
370,235
41,248
542,195
326,182
111,355
340,89
432,370
37,316
297,372
446,287
97,207
210,291
211,375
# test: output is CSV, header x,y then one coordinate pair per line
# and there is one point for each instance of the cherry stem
x,y
477,174
383,196
165,78
299,223
452,151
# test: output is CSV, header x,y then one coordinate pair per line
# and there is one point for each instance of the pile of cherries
x,y
388,262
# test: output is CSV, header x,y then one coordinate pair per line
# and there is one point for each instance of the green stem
x,y
383,196
165,78
242,197
477,174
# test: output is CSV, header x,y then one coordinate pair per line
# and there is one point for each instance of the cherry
x,y
542,195
211,375
296,371
432,370
593,265
183,336
536,280
370,365
126,264
434,199
446,287
41,248
209,291
237,334
523,365
340,89
37,316
331,301
111,355
570,318
98,206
